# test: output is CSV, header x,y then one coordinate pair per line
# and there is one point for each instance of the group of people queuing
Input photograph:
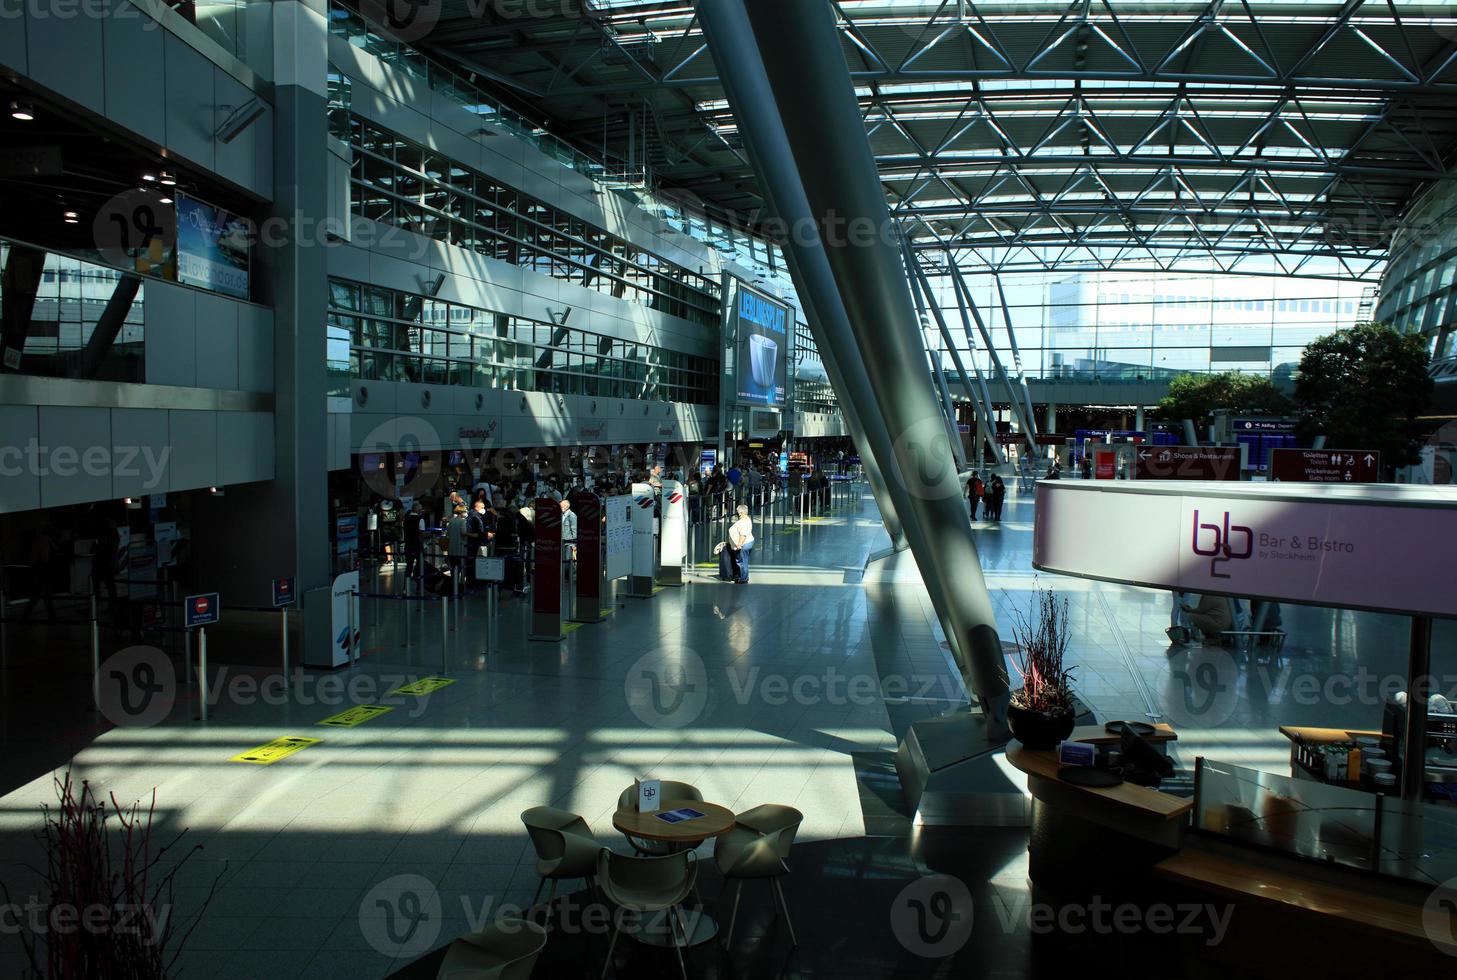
x,y
487,515
988,495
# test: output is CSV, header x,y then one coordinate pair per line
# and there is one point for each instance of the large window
x,y
396,336
401,183
51,334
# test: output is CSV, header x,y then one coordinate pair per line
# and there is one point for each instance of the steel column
x,y
982,402
815,284
986,336
795,48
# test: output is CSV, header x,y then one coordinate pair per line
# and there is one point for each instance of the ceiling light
x,y
71,217
23,111
166,179
149,178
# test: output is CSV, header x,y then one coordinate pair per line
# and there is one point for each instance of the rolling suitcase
x,y
727,571
437,582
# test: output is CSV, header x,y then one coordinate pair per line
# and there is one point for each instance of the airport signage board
x,y
1325,466
1186,463
283,592
201,610
1355,548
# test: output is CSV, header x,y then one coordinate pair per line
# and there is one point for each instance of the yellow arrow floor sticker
x,y
356,715
279,748
426,685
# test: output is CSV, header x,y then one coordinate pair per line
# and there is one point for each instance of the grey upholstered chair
x,y
647,885
758,847
506,950
565,849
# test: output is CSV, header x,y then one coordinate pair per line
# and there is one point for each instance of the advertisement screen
x,y
213,248
762,335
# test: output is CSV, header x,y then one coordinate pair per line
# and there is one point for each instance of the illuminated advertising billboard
x,y
762,335
213,248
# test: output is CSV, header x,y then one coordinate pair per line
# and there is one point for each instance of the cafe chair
x,y
668,790
506,950
645,886
565,849
758,847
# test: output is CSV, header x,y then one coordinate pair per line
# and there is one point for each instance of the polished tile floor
x,y
331,862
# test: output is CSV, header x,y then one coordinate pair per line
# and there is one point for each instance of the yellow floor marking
x,y
357,715
426,685
279,748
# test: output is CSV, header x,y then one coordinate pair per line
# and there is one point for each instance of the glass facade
x,y
377,334
399,182
1419,293
1140,327
811,391
70,297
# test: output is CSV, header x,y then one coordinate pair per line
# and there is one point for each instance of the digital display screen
x,y
762,338
214,248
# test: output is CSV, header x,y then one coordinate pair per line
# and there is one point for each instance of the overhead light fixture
x,y
70,217
166,198
167,179
22,111
149,178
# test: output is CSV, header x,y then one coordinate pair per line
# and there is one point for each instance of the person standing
x,y
974,490
741,542
455,546
479,532
414,535
996,496
569,532
43,553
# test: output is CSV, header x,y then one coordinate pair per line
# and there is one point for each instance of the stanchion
x,y
202,668
187,655
95,655
444,632
353,645
283,644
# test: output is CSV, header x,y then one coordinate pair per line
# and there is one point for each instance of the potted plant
x,y
1042,712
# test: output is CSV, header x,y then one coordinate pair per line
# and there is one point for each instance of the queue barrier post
x,y
444,633
202,668
187,655
283,642
353,644
95,655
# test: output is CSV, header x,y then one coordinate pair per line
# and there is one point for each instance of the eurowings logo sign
x,y
1222,542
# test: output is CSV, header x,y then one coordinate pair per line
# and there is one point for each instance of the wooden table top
x,y
1098,735
1141,799
716,820
1317,735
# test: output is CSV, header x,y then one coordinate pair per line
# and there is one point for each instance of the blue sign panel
x,y
202,610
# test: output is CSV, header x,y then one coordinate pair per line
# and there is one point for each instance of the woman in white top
x,y
741,541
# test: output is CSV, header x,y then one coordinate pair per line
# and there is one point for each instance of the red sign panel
x,y
1325,465
588,508
546,589
1105,466
1186,463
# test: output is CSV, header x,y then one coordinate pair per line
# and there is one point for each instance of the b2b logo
x,y
1222,543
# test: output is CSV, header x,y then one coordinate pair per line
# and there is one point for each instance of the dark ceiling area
x,y
1025,135
60,161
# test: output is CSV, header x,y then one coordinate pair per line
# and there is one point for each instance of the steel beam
x,y
981,401
1024,419
815,285
795,49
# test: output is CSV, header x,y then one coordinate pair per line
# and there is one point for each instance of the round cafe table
x,y
654,929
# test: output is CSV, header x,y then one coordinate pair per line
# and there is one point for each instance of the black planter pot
x,y
1040,729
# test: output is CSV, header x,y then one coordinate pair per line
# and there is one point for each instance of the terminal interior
x,y
576,488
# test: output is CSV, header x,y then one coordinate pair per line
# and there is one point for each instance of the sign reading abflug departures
x,y
1378,548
